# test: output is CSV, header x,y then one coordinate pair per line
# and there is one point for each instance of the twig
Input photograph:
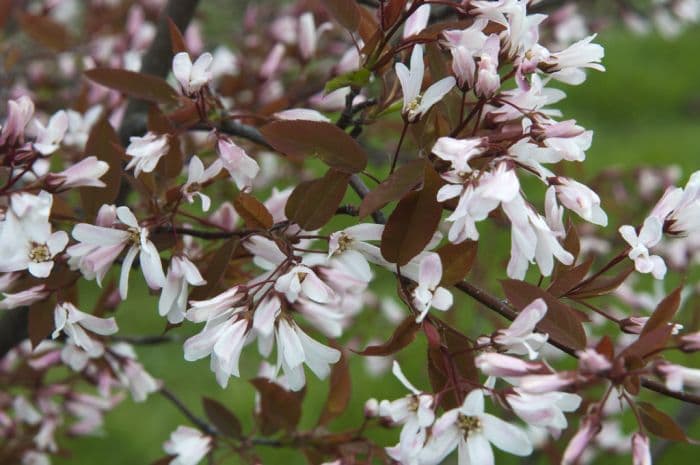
x,y
198,422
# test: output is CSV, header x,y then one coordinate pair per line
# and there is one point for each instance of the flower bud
x,y
641,455
690,342
590,427
371,408
591,361
494,364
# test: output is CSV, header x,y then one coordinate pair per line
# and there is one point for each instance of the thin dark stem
x,y
398,147
198,422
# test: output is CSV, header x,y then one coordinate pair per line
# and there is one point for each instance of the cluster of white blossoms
x,y
289,293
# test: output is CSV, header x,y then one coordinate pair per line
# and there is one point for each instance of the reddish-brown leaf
x,y
338,393
46,31
224,420
665,311
215,269
560,322
41,320
569,278
326,141
659,423
253,212
601,285
279,408
103,143
313,203
457,260
346,13
649,343
368,29
394,187
391,10
606,347
404,334
136,85
177,41
414,221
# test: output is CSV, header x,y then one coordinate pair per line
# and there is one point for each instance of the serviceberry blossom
x,y
520,338
146,152
544,410
197,176
679,208
649,235
414,412
188,446
26,240
296,348
678,377
416,103
19,113
173,298
99,247
417,21
85,173
74,324
472,431
641,452
25,297
192,77
49,137
465,45
309,34
240,166
580,199
429,294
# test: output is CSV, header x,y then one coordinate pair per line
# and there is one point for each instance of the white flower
x,y
350,248
520,338
308,35
49,138
26,240
473,431
414,412
295,347
301,280
173,298
649,235
74,323
146,152
192,77
417,21
87,172
458,152
429,293
464,46
188,445
414,103
304,114
240,166
196,176
100,246
26,297
567,65
581,199
544,410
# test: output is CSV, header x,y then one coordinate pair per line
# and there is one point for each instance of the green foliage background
x,y
645,110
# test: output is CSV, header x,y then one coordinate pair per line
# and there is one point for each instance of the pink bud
x,y
371,408
494,364
690,342
540,384
641,455
591,361
590,427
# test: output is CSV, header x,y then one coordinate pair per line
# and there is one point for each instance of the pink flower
x,y
308,35
495,364
240,166
544,410
641,454
581,199
25,297
86,172
19,112
488,80
417,21
589,429
99,246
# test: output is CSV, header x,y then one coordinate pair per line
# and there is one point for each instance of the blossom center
x,y
469,424
39,253
344,242
134,236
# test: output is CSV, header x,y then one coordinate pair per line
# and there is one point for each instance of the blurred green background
x,y
644,109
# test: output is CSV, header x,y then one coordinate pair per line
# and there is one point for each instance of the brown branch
x,y
202,425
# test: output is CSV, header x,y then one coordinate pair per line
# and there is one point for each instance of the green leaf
x,y
357,78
